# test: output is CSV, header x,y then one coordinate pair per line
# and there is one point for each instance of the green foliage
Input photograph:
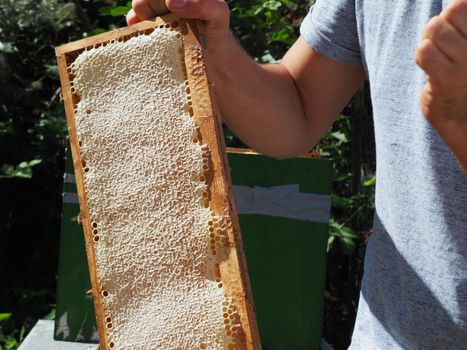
x,y
115,11
51,315
346,235
30,306
267,28
31,121
105,15
7,341
23,170
371,182
32,136
350,143
4,317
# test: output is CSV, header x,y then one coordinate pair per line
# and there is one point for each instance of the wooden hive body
x,y
162,237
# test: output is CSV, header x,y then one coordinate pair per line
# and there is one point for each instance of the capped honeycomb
x,y
162,241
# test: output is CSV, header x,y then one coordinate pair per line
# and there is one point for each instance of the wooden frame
x,y
251,151
233,269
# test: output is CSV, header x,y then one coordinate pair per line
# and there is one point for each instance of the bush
x,y
32,135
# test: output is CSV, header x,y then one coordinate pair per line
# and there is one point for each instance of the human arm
x,y
443,56
281,110
284,109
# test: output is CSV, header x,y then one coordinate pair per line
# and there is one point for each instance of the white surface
x,y
41,338
283,201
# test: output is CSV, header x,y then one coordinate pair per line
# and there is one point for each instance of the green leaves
x,y
340,136
268,58
4,317
272,5
96,31
7,47
10,343
344,234
51,70
267,26
22,171
115,11
371,182
7,341
51,314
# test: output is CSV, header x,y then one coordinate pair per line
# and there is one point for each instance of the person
x,y
414,54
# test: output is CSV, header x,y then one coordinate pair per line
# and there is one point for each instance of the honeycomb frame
x,y
226,242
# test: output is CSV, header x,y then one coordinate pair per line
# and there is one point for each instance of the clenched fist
x,y
443,56
214,14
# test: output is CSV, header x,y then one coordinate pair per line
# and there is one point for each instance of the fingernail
x,y
178,3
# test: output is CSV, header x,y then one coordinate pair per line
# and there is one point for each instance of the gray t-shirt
x,y
414,289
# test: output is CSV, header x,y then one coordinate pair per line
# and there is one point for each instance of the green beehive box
x,y
285,256
75,319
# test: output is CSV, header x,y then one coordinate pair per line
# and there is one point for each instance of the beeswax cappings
x,y
142,179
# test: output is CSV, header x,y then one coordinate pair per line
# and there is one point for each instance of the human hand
x,y
443,56
214,14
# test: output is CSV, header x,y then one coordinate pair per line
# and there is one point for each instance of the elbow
x,y
283,154
279,154
302,149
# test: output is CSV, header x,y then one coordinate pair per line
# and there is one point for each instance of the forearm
x,y
260,103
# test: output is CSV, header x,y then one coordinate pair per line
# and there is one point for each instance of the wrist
x,y
220,47
227,59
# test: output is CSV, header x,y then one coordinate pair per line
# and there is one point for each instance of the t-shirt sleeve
x,y
330,28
